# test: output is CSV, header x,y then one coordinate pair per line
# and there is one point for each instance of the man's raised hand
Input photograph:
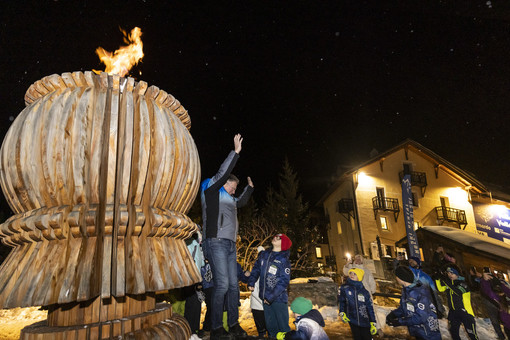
x,y
238,141
250,183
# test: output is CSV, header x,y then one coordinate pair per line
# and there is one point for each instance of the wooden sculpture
x,y
99,171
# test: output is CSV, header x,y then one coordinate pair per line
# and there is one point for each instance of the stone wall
x,y
320,293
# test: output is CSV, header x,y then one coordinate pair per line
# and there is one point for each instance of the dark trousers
x,y
208,298
360,333
192,308
493,314
507,332
260,321
277,318
458,317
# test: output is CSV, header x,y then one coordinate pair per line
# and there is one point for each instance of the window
x,y
318,252
388,251
381,203
415,199
408,167
339,227
384,222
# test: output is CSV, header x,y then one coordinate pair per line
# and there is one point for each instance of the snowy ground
x,y
13,320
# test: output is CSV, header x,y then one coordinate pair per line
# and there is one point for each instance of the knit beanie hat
x,y
405,274
359,272
286,242
417,259
453,269
301,305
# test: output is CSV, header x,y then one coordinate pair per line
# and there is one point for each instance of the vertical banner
x,y
407,203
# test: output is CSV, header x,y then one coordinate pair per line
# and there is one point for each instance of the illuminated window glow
x,y
384,222
318,252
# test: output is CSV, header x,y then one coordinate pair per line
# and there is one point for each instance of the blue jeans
x,y
221,254
277,318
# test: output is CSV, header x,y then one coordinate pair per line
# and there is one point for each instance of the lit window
x,y
384,223
416,225
339,227
318,252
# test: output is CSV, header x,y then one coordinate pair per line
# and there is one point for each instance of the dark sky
x,y
320,82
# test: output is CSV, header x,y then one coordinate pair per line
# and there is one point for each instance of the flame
x,y
123,59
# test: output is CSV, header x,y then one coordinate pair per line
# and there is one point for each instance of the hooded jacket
x,y
273,268
417,312
219,209
355,301
308,327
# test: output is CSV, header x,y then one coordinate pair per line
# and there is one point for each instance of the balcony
x,y
451,215
346,206
418,179
386,204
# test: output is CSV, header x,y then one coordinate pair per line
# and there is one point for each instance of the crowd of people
x,y
420,307
214,253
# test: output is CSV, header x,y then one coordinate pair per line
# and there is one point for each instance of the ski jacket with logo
x,y
417,312
273,268
219,209
355,301
459,296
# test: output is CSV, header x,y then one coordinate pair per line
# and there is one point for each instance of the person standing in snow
x,y
219,213
459,302
309,322
368,277
426,280
257,306
416,310
273,269
489,289
356,307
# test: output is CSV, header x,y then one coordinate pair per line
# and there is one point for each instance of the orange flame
x,y
123,59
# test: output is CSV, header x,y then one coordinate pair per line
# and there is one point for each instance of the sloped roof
x,y
479,242
434,158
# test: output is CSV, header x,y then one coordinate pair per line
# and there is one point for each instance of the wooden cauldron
x,y
100,172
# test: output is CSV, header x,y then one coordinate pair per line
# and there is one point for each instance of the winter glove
x,y
344,317
390,318
280,335
373,328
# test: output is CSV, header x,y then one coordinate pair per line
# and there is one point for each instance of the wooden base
x,y
158,323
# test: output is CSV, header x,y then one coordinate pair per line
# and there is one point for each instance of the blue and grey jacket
x,y
219,209
417,312
355,301
273,268
308,327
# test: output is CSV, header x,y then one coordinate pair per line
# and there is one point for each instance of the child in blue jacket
x,y
273,268
356,307
416,310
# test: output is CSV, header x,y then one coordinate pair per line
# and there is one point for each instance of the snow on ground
x,y
13,320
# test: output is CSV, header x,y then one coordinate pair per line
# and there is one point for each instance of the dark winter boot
x,y
221,334
237,331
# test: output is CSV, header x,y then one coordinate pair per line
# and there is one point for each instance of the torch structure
x,y
99,171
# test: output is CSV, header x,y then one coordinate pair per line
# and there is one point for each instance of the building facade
x,y
364,207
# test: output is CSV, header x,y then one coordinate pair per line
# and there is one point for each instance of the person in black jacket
x,y
219,213
459,302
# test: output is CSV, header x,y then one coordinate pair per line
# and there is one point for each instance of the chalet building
x,y
365,212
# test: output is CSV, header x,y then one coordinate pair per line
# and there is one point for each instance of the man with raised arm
x,y
219,212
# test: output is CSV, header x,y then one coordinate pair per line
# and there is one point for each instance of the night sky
x,y
322,83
